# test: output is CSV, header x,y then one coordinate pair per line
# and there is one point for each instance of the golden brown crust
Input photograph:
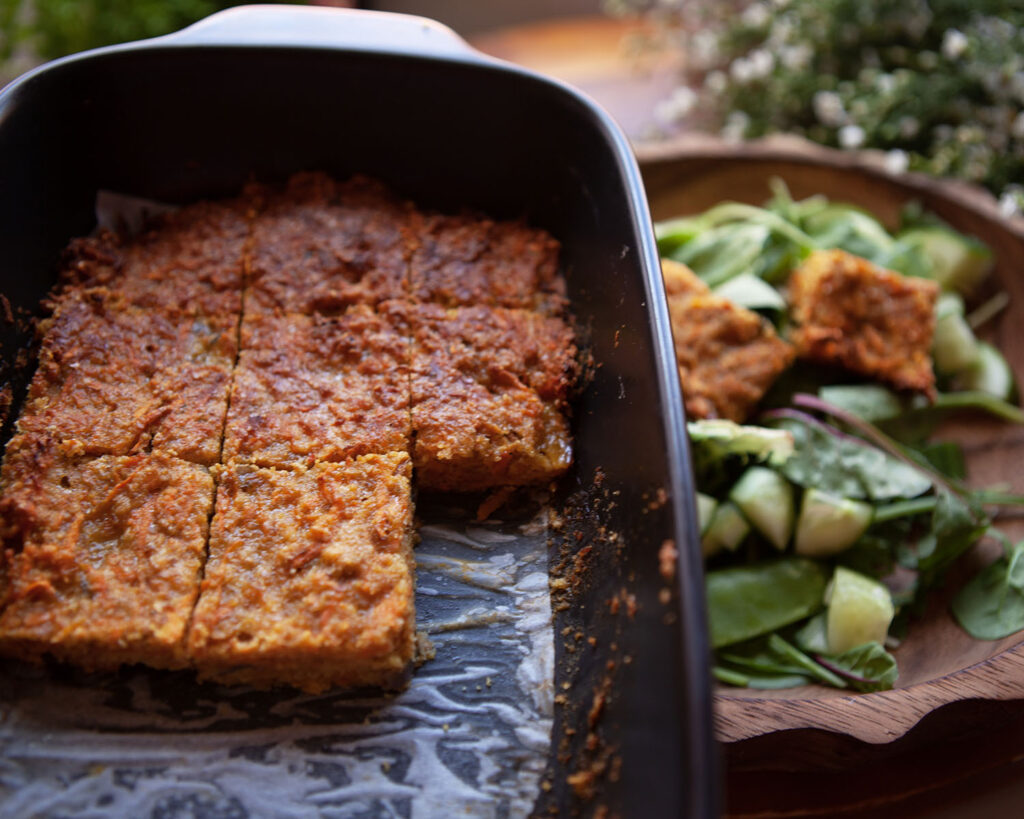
x,y
102,555
316,388
187,260
489,390
468,260
728,356
320,246
111,376
309,581
851,313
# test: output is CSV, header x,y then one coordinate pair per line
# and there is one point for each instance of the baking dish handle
x,y
312,26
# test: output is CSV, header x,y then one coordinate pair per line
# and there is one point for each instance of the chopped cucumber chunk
x,y
727,530
828,524
706,506
860,611
957,262
766,499
954,347
989,373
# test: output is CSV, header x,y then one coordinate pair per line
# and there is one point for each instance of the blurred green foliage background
x,y
32,31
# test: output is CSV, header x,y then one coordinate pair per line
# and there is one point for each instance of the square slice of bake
x,y
315,388
112,376
851,313
466,260
320,246
309,582
489,394
102,556
728,356
189,260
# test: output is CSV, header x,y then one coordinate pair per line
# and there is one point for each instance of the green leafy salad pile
x,y
828,518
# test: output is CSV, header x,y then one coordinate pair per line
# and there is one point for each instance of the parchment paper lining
x,y
469,737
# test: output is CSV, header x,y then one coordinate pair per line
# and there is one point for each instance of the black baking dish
x,y
260,92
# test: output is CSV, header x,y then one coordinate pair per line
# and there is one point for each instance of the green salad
x,y
829,516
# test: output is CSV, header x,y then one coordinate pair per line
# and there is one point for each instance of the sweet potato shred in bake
x,y
213,466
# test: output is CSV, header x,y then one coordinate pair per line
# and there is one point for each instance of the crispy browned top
x,y
111,374
311,388
187,260
728,356
469,260
101,551
309,564
875,322
488,387
321,246
273,337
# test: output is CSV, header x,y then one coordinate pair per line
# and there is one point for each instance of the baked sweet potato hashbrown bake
x,y
214,463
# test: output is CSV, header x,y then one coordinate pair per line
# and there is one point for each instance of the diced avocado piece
x,y
958,262
954,347
706,506
752,292
828,524
766,500
719,437
989,373
746,601
860,611
726,530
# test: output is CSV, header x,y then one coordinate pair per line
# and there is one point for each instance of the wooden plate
x,y
939,663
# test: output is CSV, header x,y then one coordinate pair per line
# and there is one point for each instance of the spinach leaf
x,y
868,667
775,659
956,524
748,601
991,605
730,676
843,465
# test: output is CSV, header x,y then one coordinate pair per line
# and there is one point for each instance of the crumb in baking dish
x,y
309,581
102,555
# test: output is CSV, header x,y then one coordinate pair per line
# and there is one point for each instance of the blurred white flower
x,y
897,161
1010,203
886,83
909,127
703,49
736,125
677,106
828,108
851,136
1017,129
761,62
954,44
716,82
755,15
796,57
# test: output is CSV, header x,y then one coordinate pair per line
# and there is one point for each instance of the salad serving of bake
x,y
818,353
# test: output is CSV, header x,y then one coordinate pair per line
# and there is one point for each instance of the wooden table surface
x,y
965,760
